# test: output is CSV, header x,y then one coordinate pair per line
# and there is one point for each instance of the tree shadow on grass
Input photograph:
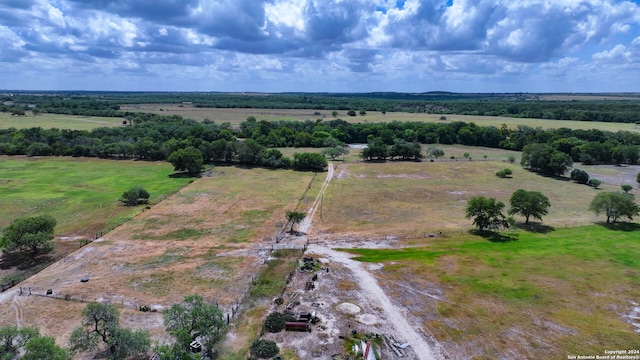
x,y
182,175
536,228
620,226
495,236
23,260
550,176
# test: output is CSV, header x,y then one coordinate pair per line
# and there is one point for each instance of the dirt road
x,y
368,284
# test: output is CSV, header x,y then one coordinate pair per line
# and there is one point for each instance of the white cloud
x,y
418,43
618,53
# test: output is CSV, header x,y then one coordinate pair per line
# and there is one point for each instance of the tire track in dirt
x,y
305,225
368,283
15,305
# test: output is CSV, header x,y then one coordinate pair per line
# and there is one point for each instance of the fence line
x,y
133,304
19,279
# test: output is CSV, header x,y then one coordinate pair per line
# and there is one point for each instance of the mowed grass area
x,y
59,121
238,115
81,193
409,198
541,296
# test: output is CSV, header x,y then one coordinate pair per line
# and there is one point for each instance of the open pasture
x,y
209,238
235,116
59,121
542,295
423,197
81,193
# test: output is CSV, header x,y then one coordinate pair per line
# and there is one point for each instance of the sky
x,y
321,45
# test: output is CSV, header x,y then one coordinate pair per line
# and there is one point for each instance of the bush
x,y
594,182
264,349
274,322
580,176
134,196
626,187
504,173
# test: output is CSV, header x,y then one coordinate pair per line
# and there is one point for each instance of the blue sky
x,y
321,45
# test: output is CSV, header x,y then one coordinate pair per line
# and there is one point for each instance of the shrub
x,y
512,159
134,196
580,176
626,187
264,349
504,173
274,322
594,182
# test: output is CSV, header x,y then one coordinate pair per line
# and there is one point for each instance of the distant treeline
x,y
512,105
156,137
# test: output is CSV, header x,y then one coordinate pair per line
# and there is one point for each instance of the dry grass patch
x,y
405,198
235,116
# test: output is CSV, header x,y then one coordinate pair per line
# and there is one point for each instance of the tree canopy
x,y
134,196
26,343
614,205
528,204
295,217
486,213
309,161
101,323
580,176
188,159
194,320
29,233
545,159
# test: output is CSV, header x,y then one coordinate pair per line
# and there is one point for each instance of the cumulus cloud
x,y
430,39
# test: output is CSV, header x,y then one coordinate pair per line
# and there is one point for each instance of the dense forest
x,y
512,105
156,137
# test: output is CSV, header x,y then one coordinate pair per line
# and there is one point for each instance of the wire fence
x,y
27,274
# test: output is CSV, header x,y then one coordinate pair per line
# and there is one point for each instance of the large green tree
x,y
528,204
335,151
545,159
615,206
29,233
101,323
44,348
309,161
13,339
189,159
486,213
194,320
26,343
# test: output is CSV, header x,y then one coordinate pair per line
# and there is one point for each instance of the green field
x,y
562,292
59,121
82,194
